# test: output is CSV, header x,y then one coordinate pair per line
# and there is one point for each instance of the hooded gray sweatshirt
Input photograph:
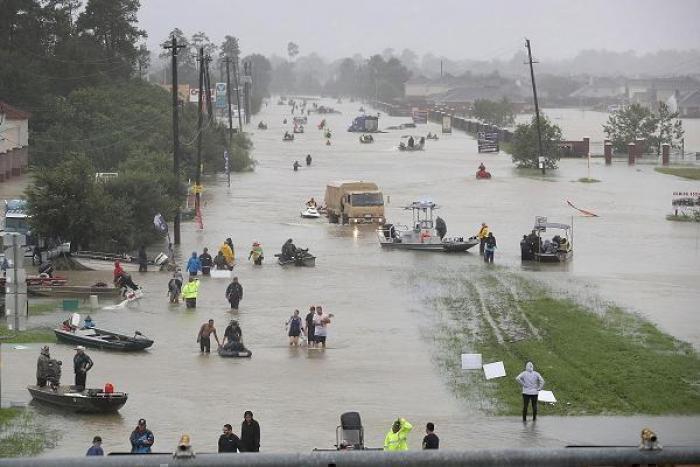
x,y
530,380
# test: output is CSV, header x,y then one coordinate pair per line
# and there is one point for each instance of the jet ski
x,y
311,212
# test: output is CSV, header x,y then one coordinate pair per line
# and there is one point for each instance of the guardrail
x,y
578,456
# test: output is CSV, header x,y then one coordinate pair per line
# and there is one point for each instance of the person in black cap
x,y
81,365
141,438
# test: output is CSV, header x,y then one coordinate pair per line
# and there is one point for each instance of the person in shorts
x,y
321,322
295,326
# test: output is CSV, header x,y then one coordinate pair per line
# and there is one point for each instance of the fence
x,y
578,456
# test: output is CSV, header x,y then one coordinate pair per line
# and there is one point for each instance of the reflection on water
x,y
381,361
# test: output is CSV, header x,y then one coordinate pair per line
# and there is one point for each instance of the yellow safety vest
x,y
398,441
190,289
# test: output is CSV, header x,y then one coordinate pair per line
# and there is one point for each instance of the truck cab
x,y
354,202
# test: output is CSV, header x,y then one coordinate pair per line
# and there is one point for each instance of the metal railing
x,y
578,456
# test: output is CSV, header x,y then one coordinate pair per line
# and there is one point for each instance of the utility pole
x,y
207,84
200,112
176,133
238,94
227,60
537,107
246,90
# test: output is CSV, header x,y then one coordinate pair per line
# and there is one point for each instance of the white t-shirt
x,y
320,327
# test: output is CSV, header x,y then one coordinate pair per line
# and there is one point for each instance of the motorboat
x,y
262,126
288,137
302,258
424,235
311,212
417,146
86,401
432,137
366,139
298,129
236,352
557,249
483,175
103,339
101,261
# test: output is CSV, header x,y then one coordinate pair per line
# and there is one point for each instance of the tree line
x,y
79,68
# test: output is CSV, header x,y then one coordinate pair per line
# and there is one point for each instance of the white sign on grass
x,y
546,396
494,370
471,361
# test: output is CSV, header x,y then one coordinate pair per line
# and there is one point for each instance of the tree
x,y
630,124
262,77
228,48
292,50
113,24
498,114
525,145
670,128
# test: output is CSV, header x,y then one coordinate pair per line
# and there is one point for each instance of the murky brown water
x,y
380,359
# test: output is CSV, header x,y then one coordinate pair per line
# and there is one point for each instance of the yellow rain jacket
x,y
398,441
190,289
229,255
483,232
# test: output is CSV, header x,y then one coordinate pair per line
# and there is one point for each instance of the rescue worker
x,y
396,439
229,255
440,227
42,366
308,159
483,233
289,251
206,261
193,265
234,293
220,261
410,141
81,365
256,252
296,165
190,291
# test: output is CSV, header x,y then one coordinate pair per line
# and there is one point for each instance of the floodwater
x,y
380,360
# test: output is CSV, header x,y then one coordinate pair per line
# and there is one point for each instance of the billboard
x,y
220,95
420,116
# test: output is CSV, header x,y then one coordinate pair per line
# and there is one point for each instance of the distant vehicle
x,y
365,124
16,217
354,202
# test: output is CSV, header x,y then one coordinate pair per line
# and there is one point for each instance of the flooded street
x,y
380,360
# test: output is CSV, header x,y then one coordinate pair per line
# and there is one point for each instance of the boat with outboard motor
x,y
558,249
426,234
103,339
366,139
102,261
302,258
288,137
85,401
311,212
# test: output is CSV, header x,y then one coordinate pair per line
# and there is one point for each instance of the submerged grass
x,y
8,336
588,180
607,362
19,435
691,173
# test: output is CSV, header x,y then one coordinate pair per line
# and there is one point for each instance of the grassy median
x,y
603,361
28,336
691,173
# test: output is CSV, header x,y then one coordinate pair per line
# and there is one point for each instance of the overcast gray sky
x,y
457,29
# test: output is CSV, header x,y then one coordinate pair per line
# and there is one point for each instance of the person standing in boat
x,y
141,439
440,227
143,259
193,265
234,293
250,433
42,367
483,233
82,363
490,248
206,261
203,336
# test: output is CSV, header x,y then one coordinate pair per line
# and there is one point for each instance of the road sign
x,y
220,92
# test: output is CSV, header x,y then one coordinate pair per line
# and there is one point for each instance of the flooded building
x,y
14,141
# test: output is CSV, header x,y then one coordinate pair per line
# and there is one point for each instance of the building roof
x,y
12,113
690,99
474,93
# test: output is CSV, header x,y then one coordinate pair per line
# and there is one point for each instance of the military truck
x,y
354,202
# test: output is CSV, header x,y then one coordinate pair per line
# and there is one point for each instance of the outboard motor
x,y
350,432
